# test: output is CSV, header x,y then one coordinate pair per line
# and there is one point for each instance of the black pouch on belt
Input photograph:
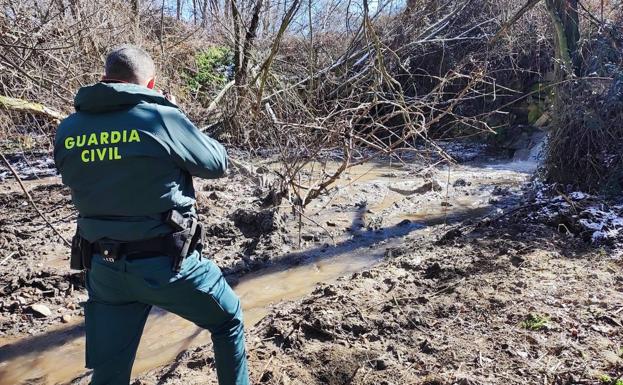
x,y
87,253
75,260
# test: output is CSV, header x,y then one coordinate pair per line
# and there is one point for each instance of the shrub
x,y
214,68
585,149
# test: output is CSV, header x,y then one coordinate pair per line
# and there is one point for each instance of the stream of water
x,y
56,357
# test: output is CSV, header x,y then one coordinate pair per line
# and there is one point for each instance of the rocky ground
x,y
37,287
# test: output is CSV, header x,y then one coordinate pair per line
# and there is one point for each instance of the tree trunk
x,y
161,37
241,73
266,23
237,44
564,15
136,8
204,14
14,104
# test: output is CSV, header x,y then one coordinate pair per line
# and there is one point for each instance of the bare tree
x,y
565,17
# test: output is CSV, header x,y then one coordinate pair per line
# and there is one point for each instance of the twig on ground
x,y
32,202
7,258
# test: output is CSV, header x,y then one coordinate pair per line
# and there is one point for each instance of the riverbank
x,y
373,324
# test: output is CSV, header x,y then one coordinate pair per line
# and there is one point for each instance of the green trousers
x,y
121,294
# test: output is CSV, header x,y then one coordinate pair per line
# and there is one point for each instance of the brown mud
x,y
429,312
510,302
36,286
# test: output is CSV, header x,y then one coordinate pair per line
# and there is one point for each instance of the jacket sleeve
x,y
191,149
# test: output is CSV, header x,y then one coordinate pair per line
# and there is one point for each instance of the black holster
x,y
186,241
81,252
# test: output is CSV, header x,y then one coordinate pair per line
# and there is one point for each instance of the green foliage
x,y
607,380
214,68
535,322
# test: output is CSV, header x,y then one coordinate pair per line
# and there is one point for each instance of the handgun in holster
x,y
189,236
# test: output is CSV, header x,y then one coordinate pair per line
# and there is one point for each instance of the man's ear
x,y
152,83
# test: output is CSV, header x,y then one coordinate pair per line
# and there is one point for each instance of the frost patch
x,y
580,213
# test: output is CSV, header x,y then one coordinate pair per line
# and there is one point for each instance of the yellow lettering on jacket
x,y
134,136
99,146
80,140
69,142
92,140
115,137
101,153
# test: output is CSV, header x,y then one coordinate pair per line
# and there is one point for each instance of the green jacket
x,y
128,156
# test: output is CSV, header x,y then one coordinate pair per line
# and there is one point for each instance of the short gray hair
x,y
129,63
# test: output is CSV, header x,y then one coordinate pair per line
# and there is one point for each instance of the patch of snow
x,y
595,219
591,225
604,224
578,195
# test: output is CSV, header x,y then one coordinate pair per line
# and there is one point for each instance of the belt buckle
x,y
109,250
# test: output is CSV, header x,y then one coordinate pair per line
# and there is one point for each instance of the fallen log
x,y
20,105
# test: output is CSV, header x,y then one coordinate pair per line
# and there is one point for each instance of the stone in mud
x,y
40,310
330,291
393,252
380,364
449,236
500,191
214,196
426,347
66,318
460,183
433,271
310,237
432,185
256,222
14,307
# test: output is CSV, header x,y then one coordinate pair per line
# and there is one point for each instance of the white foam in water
x,y
525,164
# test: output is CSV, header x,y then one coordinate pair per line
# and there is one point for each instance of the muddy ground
x,y
245,233
39,290
487,278
508,301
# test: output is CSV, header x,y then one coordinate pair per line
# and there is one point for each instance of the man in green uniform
x,y
129,154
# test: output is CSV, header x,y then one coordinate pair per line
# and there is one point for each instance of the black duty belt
x,y
177,245
166,245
